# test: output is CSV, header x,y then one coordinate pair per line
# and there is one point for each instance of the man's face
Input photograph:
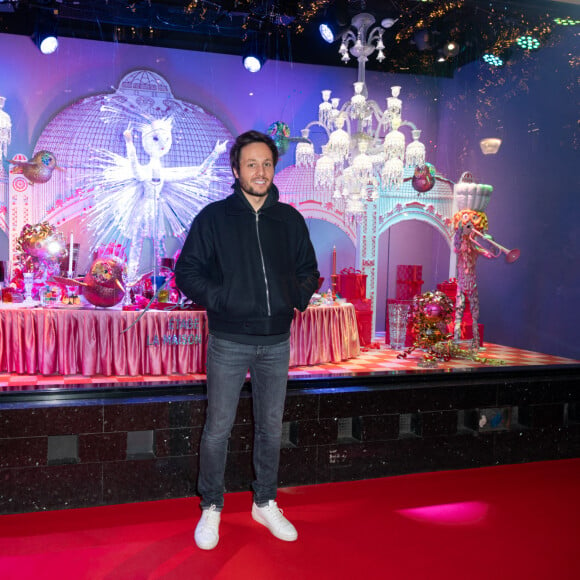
x,y
256,169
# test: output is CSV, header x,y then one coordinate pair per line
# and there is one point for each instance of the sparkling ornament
x,y
430,314
433,312
39,246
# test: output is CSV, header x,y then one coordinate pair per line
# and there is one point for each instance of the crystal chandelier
x,y
5,130
366,152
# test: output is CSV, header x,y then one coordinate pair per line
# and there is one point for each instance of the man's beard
x,y
249,189
257,194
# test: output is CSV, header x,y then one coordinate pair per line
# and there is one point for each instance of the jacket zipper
x,y
263,265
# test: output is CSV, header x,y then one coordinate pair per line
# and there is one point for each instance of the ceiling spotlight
x,y
328,32
48,44
336,21
254,53
528,42
492,60
451,48
44,35
253,63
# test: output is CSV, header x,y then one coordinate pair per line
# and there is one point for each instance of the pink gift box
x,y
410,273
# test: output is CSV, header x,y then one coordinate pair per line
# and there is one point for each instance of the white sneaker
x,y
207,529
271,517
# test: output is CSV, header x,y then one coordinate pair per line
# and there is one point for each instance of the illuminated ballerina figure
x,y
135,201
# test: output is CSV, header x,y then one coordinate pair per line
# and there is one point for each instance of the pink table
x,y
88,342
324,334
101,342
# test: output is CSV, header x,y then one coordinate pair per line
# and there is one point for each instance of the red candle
x,y
334,260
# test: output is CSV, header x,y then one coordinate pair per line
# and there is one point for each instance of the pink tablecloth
x,y
110,342
324,334
101,342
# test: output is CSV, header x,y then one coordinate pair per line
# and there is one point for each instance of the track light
x,y
328,31
44,35
48,44
336,22
253,63
451,49
254,52
332,32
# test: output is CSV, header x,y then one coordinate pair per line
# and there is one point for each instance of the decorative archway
x,y
420,212
435,207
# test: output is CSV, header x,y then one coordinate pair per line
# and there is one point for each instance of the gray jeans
x,y
227,365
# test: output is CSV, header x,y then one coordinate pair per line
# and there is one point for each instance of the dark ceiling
x,y
289,29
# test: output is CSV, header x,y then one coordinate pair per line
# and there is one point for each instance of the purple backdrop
x,y
530,304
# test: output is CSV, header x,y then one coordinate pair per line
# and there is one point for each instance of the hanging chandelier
x,y
366,152
5,129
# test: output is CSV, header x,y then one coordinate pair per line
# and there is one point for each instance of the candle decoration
x,y
70,257
333,276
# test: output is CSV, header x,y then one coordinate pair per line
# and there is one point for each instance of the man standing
x,y
249,261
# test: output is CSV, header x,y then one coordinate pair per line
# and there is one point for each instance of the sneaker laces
x,y
277,514
209,514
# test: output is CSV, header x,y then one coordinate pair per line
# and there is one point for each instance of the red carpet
x,y
508,522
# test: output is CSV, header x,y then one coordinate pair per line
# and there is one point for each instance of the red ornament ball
x,y
423,178
433,312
